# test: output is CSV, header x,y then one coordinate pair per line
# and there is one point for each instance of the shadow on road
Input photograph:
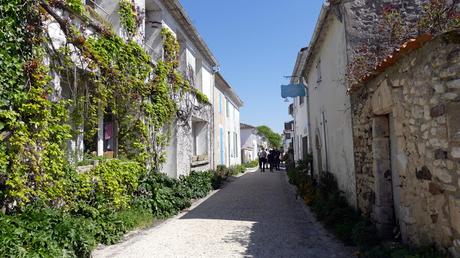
x,y
280,228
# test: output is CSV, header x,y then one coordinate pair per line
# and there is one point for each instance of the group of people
x,y
270,158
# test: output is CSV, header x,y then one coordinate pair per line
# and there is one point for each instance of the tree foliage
x,y
273,138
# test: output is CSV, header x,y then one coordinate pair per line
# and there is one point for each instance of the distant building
x,y
299,111
288,135
251,142
227,143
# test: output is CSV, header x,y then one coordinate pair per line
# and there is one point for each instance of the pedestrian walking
x,y
271,159
277,159
262,159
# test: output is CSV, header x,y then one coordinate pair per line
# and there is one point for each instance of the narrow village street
x,y
256,215
135,128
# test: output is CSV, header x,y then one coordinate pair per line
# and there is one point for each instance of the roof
x,y
320,24
299,63
220,81
179,13
246,126
406,48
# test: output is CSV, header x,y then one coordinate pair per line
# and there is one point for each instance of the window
x,y
90,3
200,138
301,100
222,152
220,103
319,77
227,107
235,139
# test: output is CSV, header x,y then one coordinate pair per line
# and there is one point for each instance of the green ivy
x,y
33,127
128,17
77,6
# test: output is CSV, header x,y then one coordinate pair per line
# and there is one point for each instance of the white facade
x,y
328,105
227,134
251,142
301,135
288,136
191,145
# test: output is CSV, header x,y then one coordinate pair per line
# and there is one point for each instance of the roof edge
x,y
178,12
233,95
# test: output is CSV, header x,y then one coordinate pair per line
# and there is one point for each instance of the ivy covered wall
x,y
59,88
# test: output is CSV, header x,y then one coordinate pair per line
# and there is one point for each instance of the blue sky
x,y
256,43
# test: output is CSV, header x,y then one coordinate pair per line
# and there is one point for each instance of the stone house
x,y
227,143
323,119
191,144
406,128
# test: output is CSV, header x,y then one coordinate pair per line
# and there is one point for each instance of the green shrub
x,y
156,192
252,164
364,234
46,232
110,185
397,250
199,184
332,209
166,196
240,169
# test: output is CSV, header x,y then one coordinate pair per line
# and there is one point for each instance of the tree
x,y
274,139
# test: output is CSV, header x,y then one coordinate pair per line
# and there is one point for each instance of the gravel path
x,y
257,215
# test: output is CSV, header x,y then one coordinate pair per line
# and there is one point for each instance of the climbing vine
x,y
104,74
128,17
33,128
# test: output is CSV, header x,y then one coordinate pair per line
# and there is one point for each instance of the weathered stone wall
x,y
362,19
180,150
420,99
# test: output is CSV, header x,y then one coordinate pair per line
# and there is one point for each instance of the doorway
x,y
384,206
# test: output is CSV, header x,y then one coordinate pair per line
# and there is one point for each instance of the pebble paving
x,y
256,215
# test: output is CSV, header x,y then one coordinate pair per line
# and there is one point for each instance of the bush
x,y
252,164
331,208
397,250
199,184
364,234
45,232
111,185
106,202
163,195
218,176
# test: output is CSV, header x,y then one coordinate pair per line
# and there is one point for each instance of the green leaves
x,y
274,139
128,17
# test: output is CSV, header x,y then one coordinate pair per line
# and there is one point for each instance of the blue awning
x,y
293,90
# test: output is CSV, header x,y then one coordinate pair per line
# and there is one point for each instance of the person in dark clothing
x,y
271,160
262,159
277,159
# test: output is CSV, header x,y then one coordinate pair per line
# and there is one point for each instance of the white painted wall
x,y
207,82
230,125
300,126
330,113
249,144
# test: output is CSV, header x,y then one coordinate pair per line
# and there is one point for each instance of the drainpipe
x,y
325,140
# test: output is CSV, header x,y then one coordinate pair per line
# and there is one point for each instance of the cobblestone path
x,y
257,215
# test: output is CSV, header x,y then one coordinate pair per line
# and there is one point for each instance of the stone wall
x,y
406,125
362,19
179,153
